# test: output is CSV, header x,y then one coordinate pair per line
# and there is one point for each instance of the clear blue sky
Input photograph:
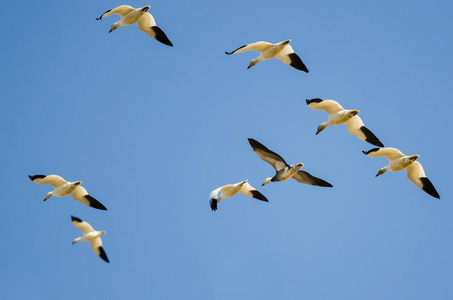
x,y
151,130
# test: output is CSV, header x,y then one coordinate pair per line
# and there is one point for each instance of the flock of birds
x,y
284,52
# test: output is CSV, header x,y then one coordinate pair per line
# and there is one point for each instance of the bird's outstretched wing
x,y
82,225
147,24
53,180
329,106
389,153
290,58
248,190
121,10
80,194
96,245
305,177
416,174
267,155
356,127
258,46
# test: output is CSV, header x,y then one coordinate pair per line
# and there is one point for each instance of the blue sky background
x,y
151,130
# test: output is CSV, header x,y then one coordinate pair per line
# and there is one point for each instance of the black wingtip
x,y
95,203
161,36
297,63
228,53
76,219
370,137
429,187
34,177
259,196
369,151
213,204
314,100
103,255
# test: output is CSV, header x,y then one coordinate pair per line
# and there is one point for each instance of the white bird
x,y
282,51
230,190
144,20
338,115
64,188
399,161
283,170
90,235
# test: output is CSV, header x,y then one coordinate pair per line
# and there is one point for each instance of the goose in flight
x,y
230,190
90,235
144,20
282,51
338,115
63,188
283,170
398,161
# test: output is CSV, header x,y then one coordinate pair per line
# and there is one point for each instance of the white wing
x,y
416,174
82,225
389,153
80,194
356,127
53,180
258,46
248,190
147,24
96,245
329,106
121,10
290,58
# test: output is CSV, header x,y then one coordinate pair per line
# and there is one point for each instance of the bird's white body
x,y
229,190
398,161
90,235
282,51
338,115
282,169
64,188
145,21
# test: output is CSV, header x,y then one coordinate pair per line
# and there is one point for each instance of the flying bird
x,y
230,190
398,161
283,170
338,115
90,235
63,188
144,20
282,51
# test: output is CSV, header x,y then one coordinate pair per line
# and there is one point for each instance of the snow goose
x,y
144,20
90,235
338,115
64,188
230,190
283,170
398,161
282,51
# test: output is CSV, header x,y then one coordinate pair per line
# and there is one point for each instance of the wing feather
x,y
267,155
82,225
147,24
53,180
258,46
329,106
290,58
305,177
356,127
416,174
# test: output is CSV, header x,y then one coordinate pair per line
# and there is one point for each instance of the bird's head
x,y
268,180
114,27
